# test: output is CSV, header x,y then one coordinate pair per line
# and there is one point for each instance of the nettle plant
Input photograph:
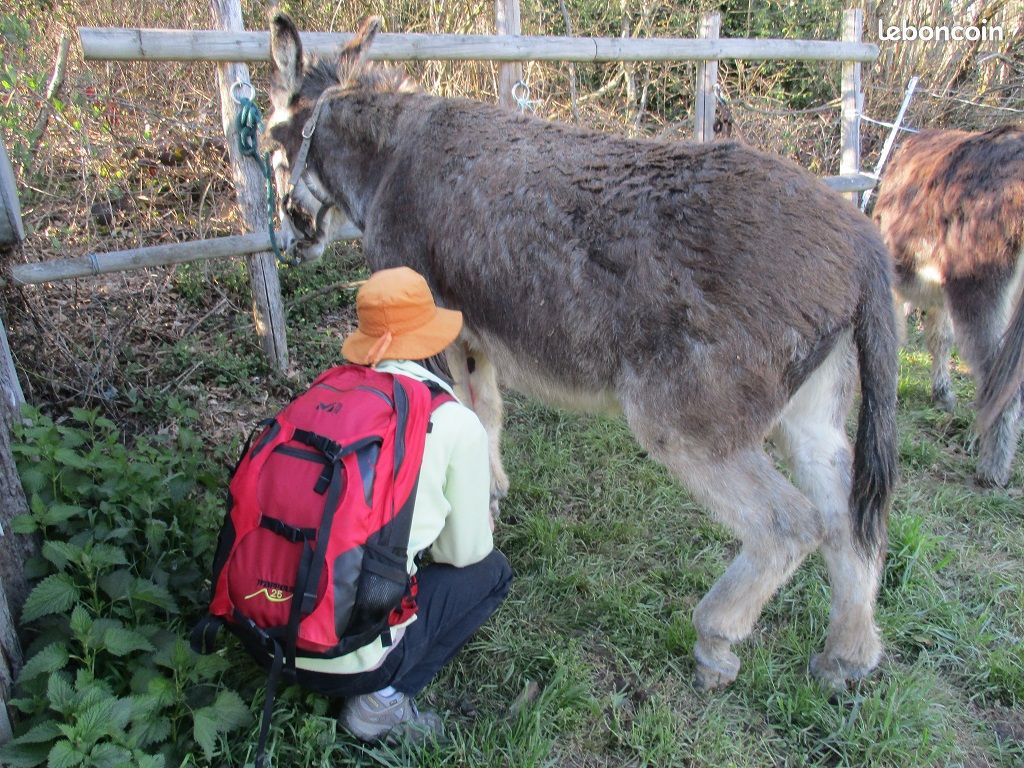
x,y
126,536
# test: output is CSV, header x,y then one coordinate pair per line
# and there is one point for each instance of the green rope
x,y
247,124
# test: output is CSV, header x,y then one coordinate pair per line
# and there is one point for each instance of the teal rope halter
x,y
248,122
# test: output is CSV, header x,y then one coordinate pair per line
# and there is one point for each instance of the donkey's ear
x,y
286,51
356,53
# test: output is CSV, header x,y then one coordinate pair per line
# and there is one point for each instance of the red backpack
x,y
312,557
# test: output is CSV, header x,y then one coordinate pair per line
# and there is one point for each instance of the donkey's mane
x,y
322,73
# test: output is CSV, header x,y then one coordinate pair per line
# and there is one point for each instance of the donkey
x,y
711,294
951,209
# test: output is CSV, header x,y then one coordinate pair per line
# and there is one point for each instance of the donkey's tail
x,y
874,463
1006,373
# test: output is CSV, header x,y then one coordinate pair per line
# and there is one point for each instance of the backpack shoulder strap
x,y
438,394
438,397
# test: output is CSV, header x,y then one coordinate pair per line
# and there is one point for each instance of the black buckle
x,y
325,445
289,532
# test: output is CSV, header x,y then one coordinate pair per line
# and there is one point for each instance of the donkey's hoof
x,y
499,484
714,670
710,678
944,400
834,673
987,478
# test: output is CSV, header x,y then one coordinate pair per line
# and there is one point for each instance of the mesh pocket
x,y
382,585
378,594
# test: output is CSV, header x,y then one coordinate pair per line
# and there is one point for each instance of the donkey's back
x,y
591,261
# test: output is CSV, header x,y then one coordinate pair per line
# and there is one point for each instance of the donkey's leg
x,y
902,308
776,524
778,528
938,334
811,433
979,318
476,385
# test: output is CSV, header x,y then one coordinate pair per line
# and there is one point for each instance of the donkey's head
x,y
316,201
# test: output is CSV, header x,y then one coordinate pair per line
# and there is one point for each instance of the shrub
x,y
126,529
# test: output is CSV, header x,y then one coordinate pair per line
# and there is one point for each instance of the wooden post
x,y
250,188
507,21
14,550
10,663
707,77
853,99
11,229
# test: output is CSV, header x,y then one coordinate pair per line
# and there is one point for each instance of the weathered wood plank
x,y
148,256
707,76
507,21
853,99
14,550
111,43
851,182
10,663
11,229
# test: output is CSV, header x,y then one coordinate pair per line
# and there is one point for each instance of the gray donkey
x,y
951,208
711,294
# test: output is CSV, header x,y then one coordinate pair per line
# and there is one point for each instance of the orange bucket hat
x,y
398,320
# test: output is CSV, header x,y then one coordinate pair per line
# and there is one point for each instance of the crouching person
x,y
464,578
356,556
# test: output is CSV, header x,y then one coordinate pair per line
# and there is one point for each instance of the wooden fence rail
x,y
233,245
147,256
108,44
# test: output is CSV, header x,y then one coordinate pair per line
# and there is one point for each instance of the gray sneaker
x,y
371,718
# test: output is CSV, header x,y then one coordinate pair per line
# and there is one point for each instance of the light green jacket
x,y
451,515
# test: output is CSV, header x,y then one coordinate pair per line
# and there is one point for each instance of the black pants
x,y
453,604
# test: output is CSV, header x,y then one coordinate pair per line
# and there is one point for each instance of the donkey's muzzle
x,y
302,222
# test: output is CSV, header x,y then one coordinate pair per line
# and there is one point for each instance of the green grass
x,y
611,556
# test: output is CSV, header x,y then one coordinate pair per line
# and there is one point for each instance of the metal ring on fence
x,y
242,84
520,91
521,94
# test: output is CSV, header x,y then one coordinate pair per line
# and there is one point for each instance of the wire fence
x,y
957,99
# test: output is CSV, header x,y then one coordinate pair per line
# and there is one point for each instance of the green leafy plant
x,y
109,678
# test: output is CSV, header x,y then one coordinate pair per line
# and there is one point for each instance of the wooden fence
x,y
232,46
